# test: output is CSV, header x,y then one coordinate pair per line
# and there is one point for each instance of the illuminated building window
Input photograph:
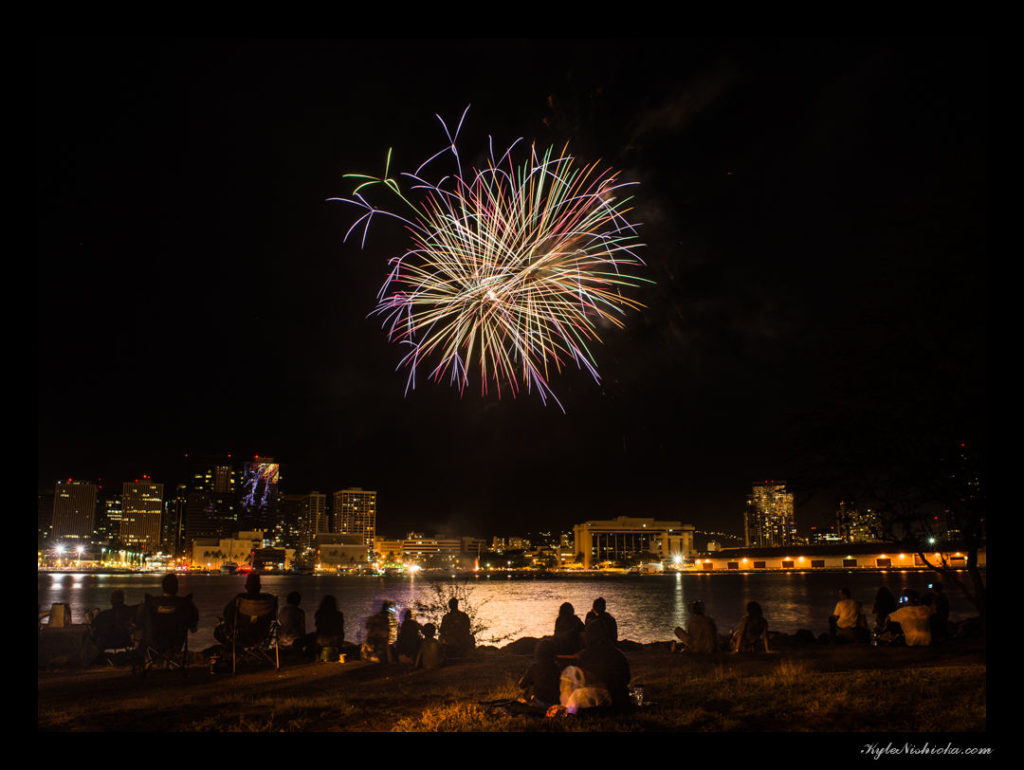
x,y
883,562
759,565
787,564
733,565
849,562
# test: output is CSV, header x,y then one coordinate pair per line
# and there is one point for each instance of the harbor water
x,y
647,607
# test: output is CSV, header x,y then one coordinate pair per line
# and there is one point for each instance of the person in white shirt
x,y
847,619
914,619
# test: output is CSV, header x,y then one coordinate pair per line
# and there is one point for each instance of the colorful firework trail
x,y
510,270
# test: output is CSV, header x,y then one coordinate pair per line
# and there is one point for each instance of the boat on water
x,y
229,568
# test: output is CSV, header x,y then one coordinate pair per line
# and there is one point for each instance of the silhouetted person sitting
x,y
846,623
224,631
456,634
167,619
112,628
431,654
540,683
291,623
378,635
603,621
914,619
568,631
752,634
410,637
330,624
604,664
701,636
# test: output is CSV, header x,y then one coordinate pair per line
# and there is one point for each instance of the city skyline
x,y
815,235
333,517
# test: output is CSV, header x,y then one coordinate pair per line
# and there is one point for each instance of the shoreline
x,y
812,687
509,574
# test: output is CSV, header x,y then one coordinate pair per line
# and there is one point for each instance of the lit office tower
x,y
768,520
302,517
218,477
211,503
108,518
142,515
174,520
74,510
857,526
259,502
355,513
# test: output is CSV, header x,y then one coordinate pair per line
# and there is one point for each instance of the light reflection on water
x,y
646,607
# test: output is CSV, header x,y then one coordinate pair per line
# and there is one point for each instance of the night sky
x,y
813,212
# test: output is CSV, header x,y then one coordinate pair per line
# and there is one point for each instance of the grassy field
x,y
817,689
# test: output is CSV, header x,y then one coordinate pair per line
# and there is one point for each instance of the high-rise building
x,y
142,515
259,497
302,518
355,513
769,518
209,515
211,506
174,520
44,513
854,525
217,475
108,518
74,510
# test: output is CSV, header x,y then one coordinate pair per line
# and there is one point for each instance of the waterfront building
x,y
431,551
473,546
74,511
212,553
355,513
389,551
769,518
341,551
272,559
841,556
142,514
626,538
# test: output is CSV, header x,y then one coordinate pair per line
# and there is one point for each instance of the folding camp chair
x,y
254,632
166,621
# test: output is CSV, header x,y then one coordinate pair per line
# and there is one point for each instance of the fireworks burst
x,y
510,269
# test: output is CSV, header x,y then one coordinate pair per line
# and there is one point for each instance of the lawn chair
x,y
166,621
254,632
